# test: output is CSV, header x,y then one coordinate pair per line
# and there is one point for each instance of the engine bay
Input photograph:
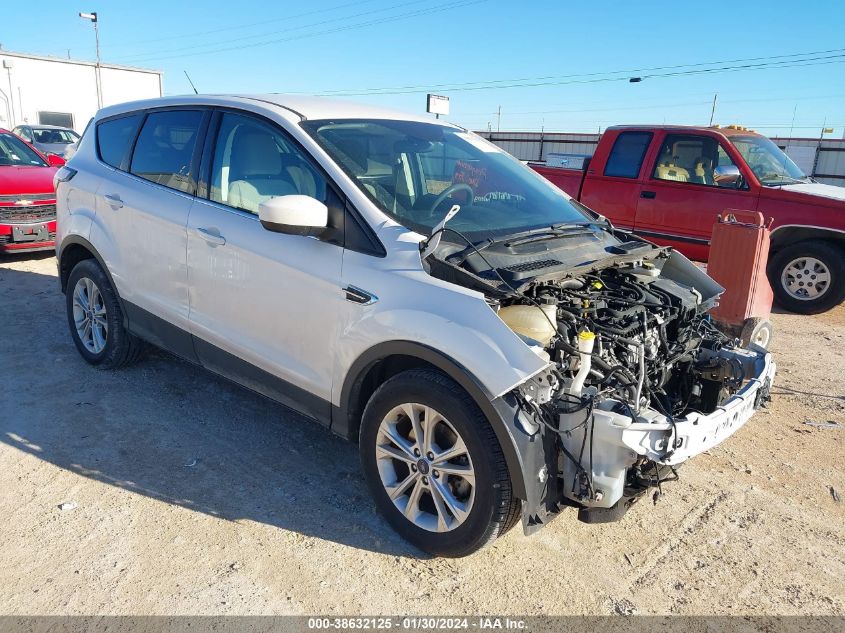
x,y
634,363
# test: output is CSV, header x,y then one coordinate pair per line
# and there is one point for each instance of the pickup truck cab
x,y
668,184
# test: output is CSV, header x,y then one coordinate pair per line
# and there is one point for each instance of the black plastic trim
x,y
669,236
159,332
255,379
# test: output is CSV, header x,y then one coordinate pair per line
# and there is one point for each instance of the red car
x,y
668,184
27,196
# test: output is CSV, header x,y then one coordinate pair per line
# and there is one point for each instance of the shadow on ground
x,y
174,432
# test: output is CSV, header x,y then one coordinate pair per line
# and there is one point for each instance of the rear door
x,y
613,191
146,203
681,195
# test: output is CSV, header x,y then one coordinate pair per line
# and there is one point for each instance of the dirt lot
x,y
194,496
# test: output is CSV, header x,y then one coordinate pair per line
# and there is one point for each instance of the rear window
x,y
165,148
114,137
627,154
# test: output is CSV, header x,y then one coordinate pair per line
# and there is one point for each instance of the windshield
x,y
768,162
416,171
47,135
15,152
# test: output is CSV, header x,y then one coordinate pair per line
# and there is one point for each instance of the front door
x,y
683,194
264,305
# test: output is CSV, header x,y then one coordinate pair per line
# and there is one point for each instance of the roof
x,y
78,62
305,107
727,131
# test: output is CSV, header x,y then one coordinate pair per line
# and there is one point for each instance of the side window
x,y
693,158
626,156
255,161
165,148
114,137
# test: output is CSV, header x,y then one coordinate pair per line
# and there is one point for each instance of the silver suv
x,y
498,351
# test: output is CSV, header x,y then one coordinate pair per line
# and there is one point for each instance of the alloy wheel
x,y
425,467
89,315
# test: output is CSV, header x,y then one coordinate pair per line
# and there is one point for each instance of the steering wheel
x,y
448,191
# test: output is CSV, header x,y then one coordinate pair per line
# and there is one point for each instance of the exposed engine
x,y
638,380
651,344
630,349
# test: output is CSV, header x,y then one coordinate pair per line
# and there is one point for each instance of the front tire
x,y
95,319
434,466
808,277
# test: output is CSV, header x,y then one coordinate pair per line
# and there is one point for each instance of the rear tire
x,y
396,462
808,277
95,319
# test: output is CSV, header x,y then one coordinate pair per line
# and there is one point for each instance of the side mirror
x,y
727,176
54,160
294,215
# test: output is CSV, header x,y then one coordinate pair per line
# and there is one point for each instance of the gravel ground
x,y
192,496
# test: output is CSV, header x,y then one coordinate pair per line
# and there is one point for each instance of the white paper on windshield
x,y
479,143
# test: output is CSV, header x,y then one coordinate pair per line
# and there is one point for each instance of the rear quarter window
x,y
627,154
114,137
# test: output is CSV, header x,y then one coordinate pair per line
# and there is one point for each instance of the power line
x,y
493,83
286,18
403,16
267,34
809,61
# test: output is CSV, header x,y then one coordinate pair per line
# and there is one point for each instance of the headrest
x,y
254,152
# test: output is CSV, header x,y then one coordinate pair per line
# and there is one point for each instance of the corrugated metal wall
x,y
827,156
536,146
829,163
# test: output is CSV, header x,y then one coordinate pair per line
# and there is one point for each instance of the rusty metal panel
x,y
739,251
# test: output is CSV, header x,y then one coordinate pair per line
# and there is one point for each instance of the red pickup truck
x,y
668,184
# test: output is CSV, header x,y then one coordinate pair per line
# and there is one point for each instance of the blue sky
x,y
443,45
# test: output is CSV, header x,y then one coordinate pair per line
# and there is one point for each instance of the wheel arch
x,y
75,249
387,359
788,234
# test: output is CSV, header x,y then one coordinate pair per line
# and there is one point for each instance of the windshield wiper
x,y
785,180
545,233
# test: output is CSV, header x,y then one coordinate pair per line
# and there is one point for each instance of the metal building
x,y
50,90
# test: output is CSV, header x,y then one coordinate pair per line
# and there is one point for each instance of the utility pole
x,y
713,109
93,18
499,120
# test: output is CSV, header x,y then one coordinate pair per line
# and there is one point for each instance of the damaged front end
x,y
638,378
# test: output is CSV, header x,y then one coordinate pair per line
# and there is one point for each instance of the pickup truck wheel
x,y
96,320
434,466
808,277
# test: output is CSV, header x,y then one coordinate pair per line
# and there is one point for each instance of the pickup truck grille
x,y
28,214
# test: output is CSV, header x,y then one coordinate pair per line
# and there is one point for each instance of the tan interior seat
x,y
260,175
670,171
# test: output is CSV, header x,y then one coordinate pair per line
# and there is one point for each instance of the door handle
x,y
650,195
114,200
212,237
356,295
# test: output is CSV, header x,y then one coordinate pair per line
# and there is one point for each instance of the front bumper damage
x,y
616,445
